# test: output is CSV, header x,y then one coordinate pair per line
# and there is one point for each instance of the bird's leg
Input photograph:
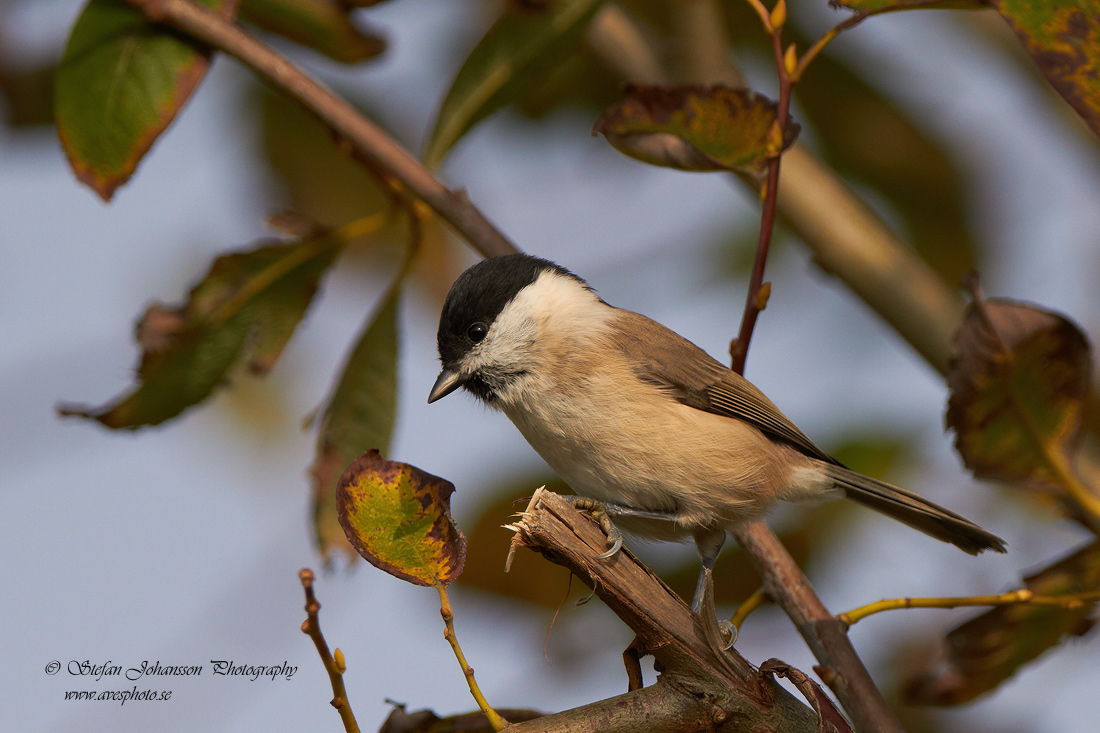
x,y
709,541
603,511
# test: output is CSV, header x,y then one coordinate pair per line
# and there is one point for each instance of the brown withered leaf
x,y
1019,385
695,128
398,518
987,650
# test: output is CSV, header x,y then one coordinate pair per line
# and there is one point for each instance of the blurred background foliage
x,y
892,155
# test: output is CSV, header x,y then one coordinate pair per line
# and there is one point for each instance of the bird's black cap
x,y
480,294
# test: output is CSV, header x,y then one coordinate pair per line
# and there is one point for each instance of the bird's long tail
x,y
917,512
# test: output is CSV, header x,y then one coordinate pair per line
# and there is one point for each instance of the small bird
x,y
670,443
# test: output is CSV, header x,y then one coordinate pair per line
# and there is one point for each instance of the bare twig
x,y
784,582
334,666
1070,602
842,669
750,604
448,615
367,139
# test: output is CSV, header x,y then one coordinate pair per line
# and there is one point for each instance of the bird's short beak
x,y
445,383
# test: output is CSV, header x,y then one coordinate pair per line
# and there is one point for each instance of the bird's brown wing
x,y
694,378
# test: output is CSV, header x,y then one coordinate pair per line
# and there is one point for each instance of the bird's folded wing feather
x,y
694,378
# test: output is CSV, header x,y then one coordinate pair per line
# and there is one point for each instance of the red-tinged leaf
x,y
246,307
987,650
359,417
323,25
1019,384
1063,38
526,41
695,128
121,82
398,518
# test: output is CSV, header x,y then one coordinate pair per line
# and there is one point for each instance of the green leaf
x,y
695,128
987,650
247,306
1019,386
359,416
1063,38
398,518
526,41
121,82
323,25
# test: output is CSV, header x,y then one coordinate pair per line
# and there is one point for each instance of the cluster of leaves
x,y
1018,387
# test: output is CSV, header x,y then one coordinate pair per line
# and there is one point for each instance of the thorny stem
x,y
445,611
312,628
1023,595
368,141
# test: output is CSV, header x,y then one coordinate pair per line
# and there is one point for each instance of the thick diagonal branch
x,y
700,686
367,139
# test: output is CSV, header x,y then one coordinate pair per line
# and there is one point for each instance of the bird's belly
x,y
701,469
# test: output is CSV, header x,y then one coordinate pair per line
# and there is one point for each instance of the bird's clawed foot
x,y
599,511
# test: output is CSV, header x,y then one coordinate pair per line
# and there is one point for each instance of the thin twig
x,y
750,604
784,582
1021,596
312,628
367,139
852,22
739,349
445,611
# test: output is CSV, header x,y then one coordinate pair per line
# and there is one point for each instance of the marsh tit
x,y
669,441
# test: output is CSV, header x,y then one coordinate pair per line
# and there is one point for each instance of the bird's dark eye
x,y
477,331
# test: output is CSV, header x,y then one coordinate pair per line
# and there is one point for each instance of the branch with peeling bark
x,y
699,688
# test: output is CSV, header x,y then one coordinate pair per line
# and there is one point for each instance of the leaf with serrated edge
x,y
121,82
359,417
398,518
523,43
247,306
692,127
323,25
1018,385
987,650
